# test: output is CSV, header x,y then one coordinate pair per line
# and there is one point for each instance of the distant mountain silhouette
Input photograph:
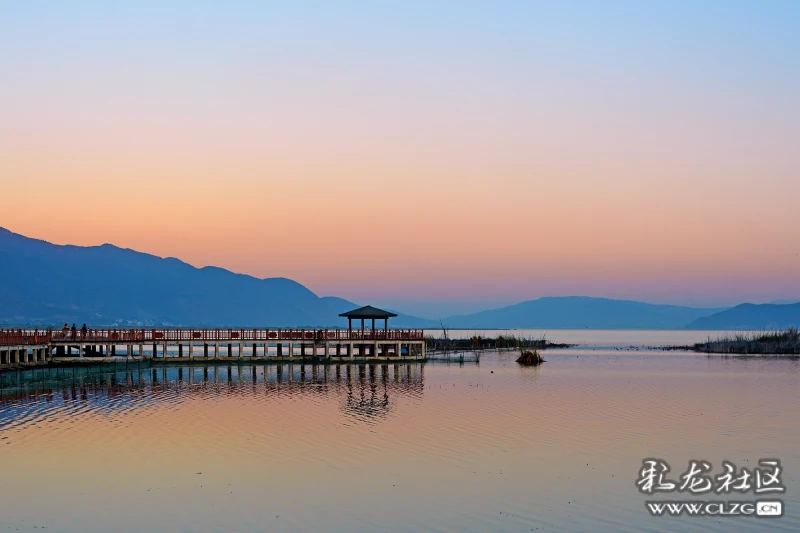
x,y
47,284
582,312
751,316
44,283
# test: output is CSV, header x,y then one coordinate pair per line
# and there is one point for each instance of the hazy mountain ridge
x,y
44,283
582,312
751,317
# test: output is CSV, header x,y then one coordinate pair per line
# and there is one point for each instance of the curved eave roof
x,y
368,312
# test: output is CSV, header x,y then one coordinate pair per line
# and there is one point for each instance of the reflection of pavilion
x,y
365,389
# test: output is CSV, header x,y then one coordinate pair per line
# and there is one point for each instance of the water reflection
x,y
489,447
365,390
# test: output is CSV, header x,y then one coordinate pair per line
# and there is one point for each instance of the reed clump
x,y
530,358
768,343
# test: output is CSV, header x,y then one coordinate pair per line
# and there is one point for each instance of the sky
x,y
434,157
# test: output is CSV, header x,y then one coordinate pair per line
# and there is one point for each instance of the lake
x,y
415,447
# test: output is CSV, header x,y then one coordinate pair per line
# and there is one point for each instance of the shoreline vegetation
x,y
499,343
771,343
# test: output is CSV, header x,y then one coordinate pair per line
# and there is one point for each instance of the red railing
x,y
24,337
254,335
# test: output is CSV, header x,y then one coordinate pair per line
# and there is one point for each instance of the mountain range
x,y
44,283
47,284
751,317
582,312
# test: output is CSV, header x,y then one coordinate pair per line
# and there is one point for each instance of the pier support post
x,y
165,352
398,350
350,350
82,348
191,351
230,350
291,349
216,350
155,350
255,349
327,350
180,349
205,350
141,350
240,351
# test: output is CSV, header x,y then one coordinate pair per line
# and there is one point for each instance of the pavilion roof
x,y
368,312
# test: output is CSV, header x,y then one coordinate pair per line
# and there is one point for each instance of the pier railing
x,y
9,337
234,335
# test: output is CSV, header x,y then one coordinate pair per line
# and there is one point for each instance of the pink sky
x,y
494,171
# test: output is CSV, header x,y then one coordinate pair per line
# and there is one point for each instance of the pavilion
x,y
367,313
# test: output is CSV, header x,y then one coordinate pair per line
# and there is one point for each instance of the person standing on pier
x,y
65,330
83,331
74,331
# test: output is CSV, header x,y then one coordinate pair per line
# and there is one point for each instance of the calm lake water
x,y
435,447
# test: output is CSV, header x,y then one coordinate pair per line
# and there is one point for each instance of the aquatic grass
x,y
770,342
479,342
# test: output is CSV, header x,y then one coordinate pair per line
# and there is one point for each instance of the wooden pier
x,y
26,348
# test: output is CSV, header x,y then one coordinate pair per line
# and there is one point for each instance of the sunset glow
x,y
504,152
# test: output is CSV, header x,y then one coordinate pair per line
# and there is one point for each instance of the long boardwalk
x,y
26,348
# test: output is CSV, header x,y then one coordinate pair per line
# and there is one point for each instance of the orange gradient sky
x,y
412,153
